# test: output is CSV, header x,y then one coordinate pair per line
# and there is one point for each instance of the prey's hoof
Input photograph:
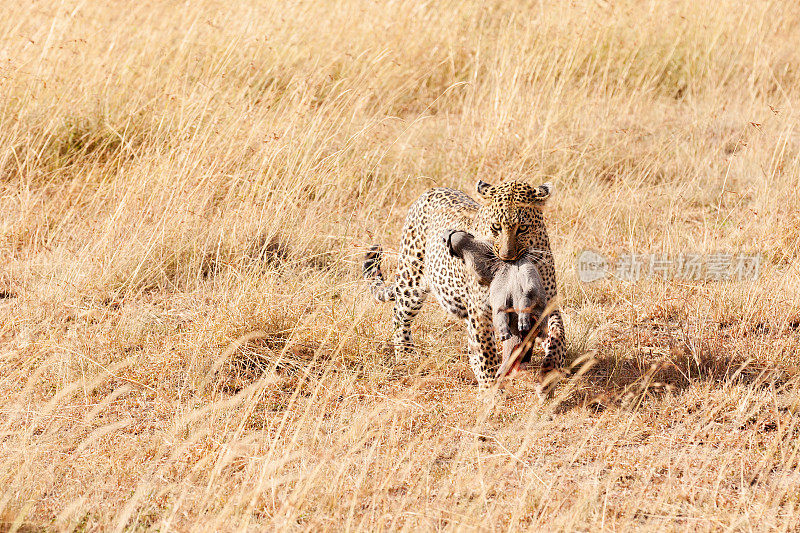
x,y
447,239
457,242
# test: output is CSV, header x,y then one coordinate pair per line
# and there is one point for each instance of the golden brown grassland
x,y
186,189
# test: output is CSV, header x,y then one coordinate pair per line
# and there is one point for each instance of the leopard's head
x,y
511,217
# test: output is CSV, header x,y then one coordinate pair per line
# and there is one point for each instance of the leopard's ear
x,y
532,196
484,191
546,189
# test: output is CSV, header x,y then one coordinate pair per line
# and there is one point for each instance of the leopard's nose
x,y
501,254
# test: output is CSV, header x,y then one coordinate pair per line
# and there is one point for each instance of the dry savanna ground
x,y
186,189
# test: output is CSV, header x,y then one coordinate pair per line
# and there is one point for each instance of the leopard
x,y
508,215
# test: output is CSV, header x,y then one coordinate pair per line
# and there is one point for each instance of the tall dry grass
x,y
185,193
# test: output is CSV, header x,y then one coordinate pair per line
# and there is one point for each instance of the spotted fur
x,y
372,271
510,217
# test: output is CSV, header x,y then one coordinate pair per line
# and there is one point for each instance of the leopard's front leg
x,y
555,349
483,357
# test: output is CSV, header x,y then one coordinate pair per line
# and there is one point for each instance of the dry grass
x,y
186,189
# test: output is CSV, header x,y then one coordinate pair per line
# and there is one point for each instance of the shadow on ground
x,y
601,381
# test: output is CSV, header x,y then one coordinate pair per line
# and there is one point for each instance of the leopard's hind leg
x,y
410,291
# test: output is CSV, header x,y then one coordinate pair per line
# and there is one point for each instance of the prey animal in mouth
x,y
516,293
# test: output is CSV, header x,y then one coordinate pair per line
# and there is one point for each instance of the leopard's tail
x,y
373,273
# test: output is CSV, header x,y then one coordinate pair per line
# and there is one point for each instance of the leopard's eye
x,y
495,228
523,228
